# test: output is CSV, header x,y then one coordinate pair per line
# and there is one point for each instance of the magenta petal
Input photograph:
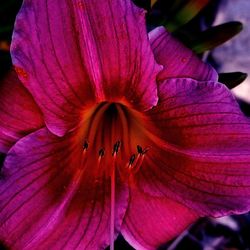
x,y
19,114
150,221
201,153
177,59
46,202
67,56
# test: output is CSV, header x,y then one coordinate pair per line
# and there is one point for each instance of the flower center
x,y
113,128
113,140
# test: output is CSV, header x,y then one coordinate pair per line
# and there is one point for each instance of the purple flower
x,y
112,130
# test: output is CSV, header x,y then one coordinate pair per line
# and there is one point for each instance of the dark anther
x,y
131,160
142,151
116,147
85,145
139,149
101,152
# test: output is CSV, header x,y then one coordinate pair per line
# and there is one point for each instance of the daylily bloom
x,y
110,129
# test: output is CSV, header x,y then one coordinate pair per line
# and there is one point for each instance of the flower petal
x,y
151,221
71,53
19,114
178,60
200,156
47,201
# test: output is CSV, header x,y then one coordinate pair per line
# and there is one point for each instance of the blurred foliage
x,y
182,11
214,36
174,14
190,21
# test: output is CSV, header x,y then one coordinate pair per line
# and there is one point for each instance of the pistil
x,y
112,200
103,125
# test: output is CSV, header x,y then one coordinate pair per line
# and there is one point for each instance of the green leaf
x,y
186,13
232,79
215,36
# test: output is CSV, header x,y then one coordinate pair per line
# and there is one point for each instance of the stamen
x,y
138,160
139,149
138,163
145,150
101,152
116,147
112,198
131,160
85,145
142,151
